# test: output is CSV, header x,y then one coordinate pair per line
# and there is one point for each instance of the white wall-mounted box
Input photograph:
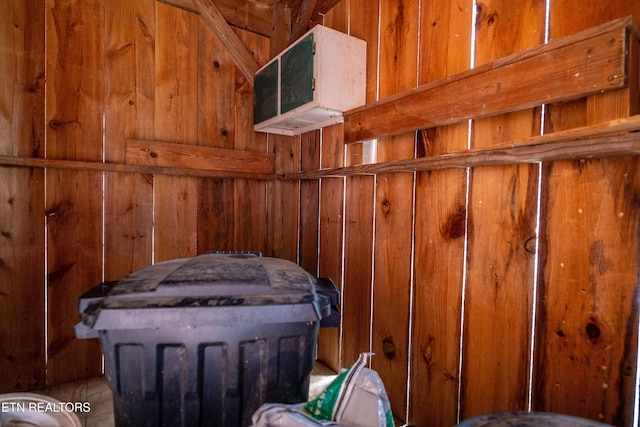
x,y
311,83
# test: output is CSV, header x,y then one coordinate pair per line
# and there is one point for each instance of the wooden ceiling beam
x,y
254,16
218,24
281,31
325,6
301,23
307,14
182,4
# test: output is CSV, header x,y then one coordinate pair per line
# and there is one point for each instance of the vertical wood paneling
x,y
22,340
129,112
251,202
75,101
73,211
250,220
394,209
331,208
116,70
216,87
338,17
439,231
356,291
309,200
359,208
284,215
364,22
22,79
331,234
215,215
588,318
500,282
22,337
216,128
392,283
175,198
587,337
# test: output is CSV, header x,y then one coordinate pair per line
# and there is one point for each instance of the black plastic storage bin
x,y
205,341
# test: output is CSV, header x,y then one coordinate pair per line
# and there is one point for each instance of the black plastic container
x,y
205,341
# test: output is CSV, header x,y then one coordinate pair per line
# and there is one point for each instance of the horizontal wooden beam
x,y
164,154
614,138
205,162
589,62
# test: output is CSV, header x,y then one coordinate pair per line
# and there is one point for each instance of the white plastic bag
x,y
356,398
281,415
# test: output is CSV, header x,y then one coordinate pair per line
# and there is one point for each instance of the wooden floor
x,y
97,393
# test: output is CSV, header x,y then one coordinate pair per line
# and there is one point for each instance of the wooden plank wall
x,y
495,288
487,289
116,70
22,299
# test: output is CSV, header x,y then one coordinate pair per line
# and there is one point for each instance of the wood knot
x,y
530,245
593,331
386,207
388,348
455,225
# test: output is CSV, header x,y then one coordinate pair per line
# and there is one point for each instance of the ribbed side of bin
x,y
214,376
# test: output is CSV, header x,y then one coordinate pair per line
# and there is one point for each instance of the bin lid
x,y
209,289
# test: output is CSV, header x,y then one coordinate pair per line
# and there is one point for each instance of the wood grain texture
x,y
310,145
217,74
394,210
606,139
214,19
440,231
183,4
74,236
588,338
359,208
175,198
129,106
22,356
115,70
216,211
499,290
525,79
175,218
285,198
124,168
128,224
251,213
358,263
22,304
74,103
248,15
251,202
330,238
165,154
588,300
331,212
22,58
